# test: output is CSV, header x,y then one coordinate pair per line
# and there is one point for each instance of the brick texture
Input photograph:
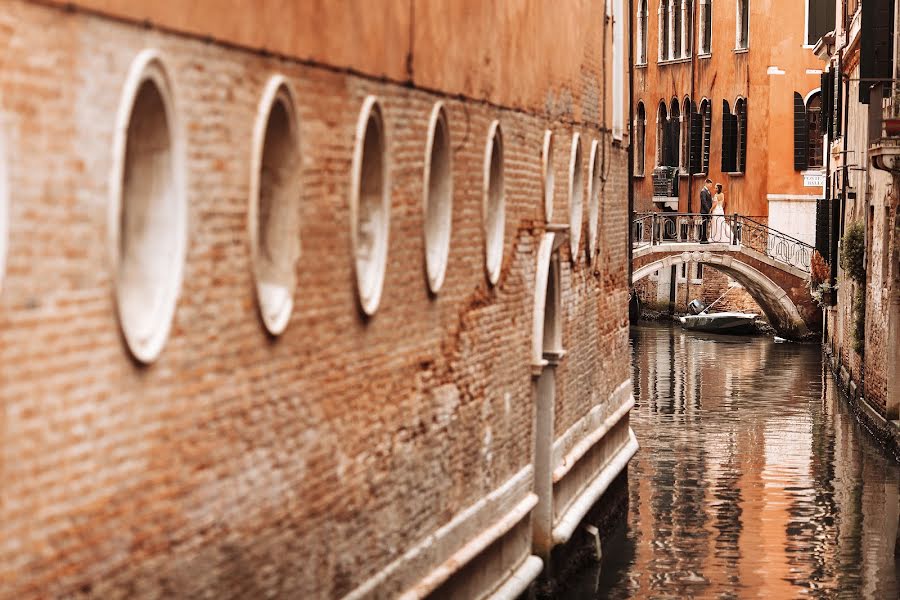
x,y
238,465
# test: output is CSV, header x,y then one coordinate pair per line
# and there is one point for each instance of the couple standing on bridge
x,y
712,209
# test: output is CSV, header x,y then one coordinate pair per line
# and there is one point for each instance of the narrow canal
x,y
753,480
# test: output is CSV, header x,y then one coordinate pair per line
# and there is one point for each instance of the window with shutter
x,y
823,227
686,134
732,143
695,162
740,124
640,135
674,134
820,19
672,142
706,109
801,140
662,123
825,92
838,102
876,45
729,139
816,132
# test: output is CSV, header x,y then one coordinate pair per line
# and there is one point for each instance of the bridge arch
x,y
781,311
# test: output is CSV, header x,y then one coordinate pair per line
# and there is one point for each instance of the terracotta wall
x,y
776,40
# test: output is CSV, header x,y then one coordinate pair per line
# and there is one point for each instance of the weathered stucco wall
x,y
529,54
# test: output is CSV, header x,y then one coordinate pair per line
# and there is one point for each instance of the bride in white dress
x,y
721,230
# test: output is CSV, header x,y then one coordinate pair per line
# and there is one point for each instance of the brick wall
x,y
713,284
240,465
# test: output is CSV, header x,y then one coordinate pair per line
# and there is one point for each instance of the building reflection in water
x,y
752,479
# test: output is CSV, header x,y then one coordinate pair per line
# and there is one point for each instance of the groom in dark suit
x,y
705,209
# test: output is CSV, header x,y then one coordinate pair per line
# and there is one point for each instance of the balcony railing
x,y
884,126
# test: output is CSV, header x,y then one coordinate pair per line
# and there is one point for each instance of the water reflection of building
x,y
753,480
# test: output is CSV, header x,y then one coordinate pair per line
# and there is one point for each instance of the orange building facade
x,y
737,66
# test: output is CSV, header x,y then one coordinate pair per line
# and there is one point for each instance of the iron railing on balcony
x,y
651,229
890,109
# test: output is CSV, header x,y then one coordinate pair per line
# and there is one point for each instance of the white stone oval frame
x,y
549,175
435,270
277,90
148,66
576,195
370,294
494,237
594,201
4,206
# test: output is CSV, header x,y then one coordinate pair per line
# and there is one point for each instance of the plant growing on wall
x,y
819,279
853,252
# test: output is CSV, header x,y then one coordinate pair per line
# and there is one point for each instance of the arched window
x,y
816,132
729,139
674,134
706,114
640,126
662,122
734,137
705,27
663,36
686,137
643,17
742,31
740,112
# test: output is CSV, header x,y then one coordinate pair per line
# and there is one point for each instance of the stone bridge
x,y
777,286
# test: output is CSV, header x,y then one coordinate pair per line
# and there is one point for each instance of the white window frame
x,y
806,43
686,30
643,38
738,21
705,35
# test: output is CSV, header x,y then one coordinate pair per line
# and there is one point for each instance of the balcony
x,y
884,126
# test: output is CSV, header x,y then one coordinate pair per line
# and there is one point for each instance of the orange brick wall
x,y
240,465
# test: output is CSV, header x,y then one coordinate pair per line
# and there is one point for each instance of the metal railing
x,y
651,229
890,107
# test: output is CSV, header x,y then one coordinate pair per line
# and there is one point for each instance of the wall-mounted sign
x,y
814,180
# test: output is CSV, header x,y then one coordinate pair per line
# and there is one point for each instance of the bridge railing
x,y
650,229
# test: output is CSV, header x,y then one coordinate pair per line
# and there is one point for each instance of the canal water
x,y
752,481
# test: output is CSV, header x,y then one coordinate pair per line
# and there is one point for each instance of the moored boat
x,y
734,323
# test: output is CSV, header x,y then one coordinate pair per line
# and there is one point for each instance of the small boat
x,y
733,323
